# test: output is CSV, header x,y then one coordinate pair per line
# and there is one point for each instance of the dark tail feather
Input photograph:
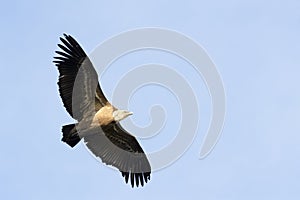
x,y
70,135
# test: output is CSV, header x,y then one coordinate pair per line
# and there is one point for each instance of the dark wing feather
x,y
76,69
116,147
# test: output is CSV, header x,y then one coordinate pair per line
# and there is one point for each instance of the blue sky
x,y
254,44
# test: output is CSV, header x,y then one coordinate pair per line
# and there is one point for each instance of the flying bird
x,y
97,120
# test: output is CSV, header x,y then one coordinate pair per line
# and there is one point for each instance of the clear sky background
x,y
254,44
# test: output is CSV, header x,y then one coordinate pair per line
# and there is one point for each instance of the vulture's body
x,y
97,120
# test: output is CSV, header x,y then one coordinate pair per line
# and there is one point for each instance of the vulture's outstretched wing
x,y
116,147
74,65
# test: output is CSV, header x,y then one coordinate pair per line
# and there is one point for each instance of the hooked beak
x,y
129,113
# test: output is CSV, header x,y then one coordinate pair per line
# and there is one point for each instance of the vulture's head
x,y
118,115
